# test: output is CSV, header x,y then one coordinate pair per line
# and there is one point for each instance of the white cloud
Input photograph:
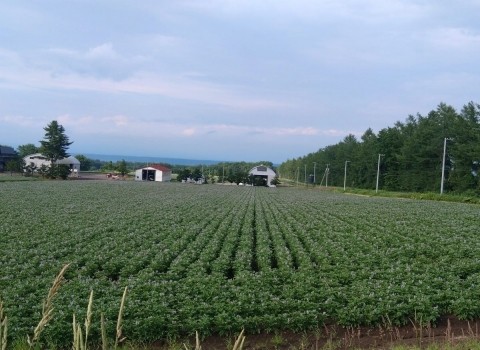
x,y
159,41
454,38
118,121
18,120
9,57
188,132
130,126
104,51
78,122
63,52
312,10
146,83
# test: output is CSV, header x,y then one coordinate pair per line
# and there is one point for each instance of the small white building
x,y
263,174
154,172
37,160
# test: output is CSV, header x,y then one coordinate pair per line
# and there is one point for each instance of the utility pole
x,y
326,175
443,163
345,176
305,174
314,166
378,171
298,174
321,182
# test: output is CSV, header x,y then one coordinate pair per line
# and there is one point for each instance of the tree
x,y
25,150
108,166
365,165
413,154
62,171
275,181
15,165
43,170
55,144
86,162
197,174
122,167
183,174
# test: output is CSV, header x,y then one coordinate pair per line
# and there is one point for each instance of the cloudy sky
x,y
233,79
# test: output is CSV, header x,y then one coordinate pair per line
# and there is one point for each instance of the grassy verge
x,y
460,198
446,197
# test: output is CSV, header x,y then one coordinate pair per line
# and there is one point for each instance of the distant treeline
x,y
233,172
223,171
411,155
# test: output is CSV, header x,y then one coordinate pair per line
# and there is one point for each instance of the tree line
x,y
55,144
409,156
225,172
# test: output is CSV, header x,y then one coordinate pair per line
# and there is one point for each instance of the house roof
x,y
68,160
159,167
262,170
6,150
34,156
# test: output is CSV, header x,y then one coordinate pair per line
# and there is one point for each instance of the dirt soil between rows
x,y
448,331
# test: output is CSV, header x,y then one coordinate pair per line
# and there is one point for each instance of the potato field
x,y
216,259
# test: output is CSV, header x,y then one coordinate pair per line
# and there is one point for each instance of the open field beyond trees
x,y
218,259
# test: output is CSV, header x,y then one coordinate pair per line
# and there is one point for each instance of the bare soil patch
x,y
447,332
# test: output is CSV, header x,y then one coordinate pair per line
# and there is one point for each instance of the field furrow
x,y
216,259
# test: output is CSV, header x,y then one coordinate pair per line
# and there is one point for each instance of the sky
x,y
234,80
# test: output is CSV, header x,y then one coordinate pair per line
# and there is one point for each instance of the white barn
x,y
37,160
264,174
154,172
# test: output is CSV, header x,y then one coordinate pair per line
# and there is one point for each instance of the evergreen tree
x,y
55,143
413,154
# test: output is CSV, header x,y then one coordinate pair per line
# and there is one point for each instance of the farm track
x,y
216,259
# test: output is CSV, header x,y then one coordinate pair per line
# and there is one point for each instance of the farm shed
x,y
154,172
37,160
263,175
6,154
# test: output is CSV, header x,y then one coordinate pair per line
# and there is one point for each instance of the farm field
x,y
216,259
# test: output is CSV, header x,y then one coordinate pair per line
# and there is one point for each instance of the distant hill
x,y
139,159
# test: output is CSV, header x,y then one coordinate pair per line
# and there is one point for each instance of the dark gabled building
x,y
6,154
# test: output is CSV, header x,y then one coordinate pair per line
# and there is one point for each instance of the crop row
x,y
216,259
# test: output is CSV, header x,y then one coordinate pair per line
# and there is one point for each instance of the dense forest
x,y
407,157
